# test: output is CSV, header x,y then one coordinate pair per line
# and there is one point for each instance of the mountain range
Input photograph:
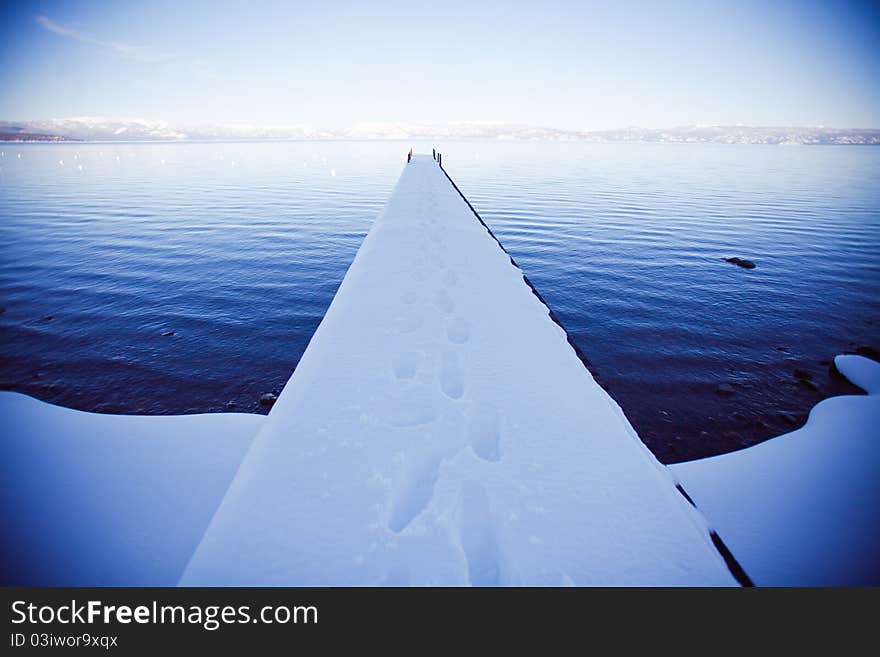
x,y
112,129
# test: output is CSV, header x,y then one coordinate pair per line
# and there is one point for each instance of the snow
x,y
104,500
861,371
803,508
440,430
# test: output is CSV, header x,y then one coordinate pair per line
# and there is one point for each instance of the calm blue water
x,y
238,249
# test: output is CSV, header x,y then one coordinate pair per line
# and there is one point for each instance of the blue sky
x,y
576,65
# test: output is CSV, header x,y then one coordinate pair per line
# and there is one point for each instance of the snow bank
x,y
803,508
863,372
440,430
109,500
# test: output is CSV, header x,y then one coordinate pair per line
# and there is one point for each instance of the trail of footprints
x,y
413,487
478,538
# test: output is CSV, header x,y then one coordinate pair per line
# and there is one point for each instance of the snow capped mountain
x,y
96,128
100,128
104,128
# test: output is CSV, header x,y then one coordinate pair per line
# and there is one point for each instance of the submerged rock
x,y
268,399
725,389
741,262
805,379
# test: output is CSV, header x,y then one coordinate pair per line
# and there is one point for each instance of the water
x,y
238,249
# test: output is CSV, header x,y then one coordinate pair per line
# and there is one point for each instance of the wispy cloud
x,y
137,53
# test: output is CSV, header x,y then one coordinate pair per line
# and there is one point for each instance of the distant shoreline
x,y
142,130
56,139
32,139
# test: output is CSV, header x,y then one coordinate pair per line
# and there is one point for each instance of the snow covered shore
x,y
803,508
440,430
109,500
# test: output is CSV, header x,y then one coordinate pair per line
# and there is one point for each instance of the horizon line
x,y
420,124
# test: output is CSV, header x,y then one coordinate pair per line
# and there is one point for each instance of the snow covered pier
x,y
441,430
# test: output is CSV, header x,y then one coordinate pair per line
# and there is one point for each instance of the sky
x,y
578,65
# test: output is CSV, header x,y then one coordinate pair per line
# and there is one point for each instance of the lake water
x,y
238,249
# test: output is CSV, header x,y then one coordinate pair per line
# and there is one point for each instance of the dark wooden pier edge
x,y
733,565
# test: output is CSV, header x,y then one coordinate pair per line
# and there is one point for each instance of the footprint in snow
x,y
443,301
457,330
478,539
451,380
413,489
484,433
406,364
